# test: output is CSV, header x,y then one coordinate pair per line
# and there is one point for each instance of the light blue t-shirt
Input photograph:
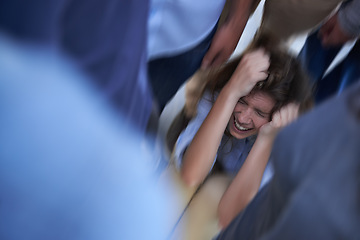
x,y
232,152
175,26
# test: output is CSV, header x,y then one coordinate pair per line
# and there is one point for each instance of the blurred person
x,y
252,98
185,35
106,39
283,19
69,168
323,45
314,193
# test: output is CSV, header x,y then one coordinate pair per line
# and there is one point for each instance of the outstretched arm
x,y
228,34
247,181
200,154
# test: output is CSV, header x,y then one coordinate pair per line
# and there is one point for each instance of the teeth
x,y
237,125
243,129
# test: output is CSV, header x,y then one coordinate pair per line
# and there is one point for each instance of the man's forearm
x,y
239,12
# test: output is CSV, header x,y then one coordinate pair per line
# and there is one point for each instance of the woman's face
x,y
250,113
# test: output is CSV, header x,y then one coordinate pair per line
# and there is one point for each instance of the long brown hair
x,y
287,81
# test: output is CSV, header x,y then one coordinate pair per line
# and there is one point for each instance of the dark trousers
x,y
167,74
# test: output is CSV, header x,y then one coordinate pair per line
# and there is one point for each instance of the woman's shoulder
x,y
209,96
207,100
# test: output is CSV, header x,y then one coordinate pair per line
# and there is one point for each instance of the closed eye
x,y
241,101
261,114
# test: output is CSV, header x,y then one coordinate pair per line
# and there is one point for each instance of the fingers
x,y
261,59
291,113
252,68
280,119
259,54
256,65
286,115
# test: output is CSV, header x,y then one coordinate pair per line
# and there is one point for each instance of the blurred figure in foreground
x,y
315,191
105,39
68,169
323,45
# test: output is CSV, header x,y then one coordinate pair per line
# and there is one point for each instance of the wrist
x,y
267,137
233,91
264,142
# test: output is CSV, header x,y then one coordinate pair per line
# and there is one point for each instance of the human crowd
x,y
84,83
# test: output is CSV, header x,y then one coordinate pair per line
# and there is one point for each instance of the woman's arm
x,y
247,181
200,154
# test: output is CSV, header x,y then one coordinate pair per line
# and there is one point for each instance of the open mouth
x,y
239,127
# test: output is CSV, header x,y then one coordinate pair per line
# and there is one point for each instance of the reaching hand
x,y
280,119
252,68
331,33
221,48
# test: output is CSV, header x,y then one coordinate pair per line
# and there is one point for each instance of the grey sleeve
x,y
349,17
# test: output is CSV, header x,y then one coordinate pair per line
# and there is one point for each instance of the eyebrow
x,y
243,99
262,112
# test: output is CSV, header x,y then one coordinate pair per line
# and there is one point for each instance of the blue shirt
x,y
106,39
69,168
176,26
231,153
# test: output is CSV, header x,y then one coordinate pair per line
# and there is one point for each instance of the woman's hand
x,y
252,68
282,118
